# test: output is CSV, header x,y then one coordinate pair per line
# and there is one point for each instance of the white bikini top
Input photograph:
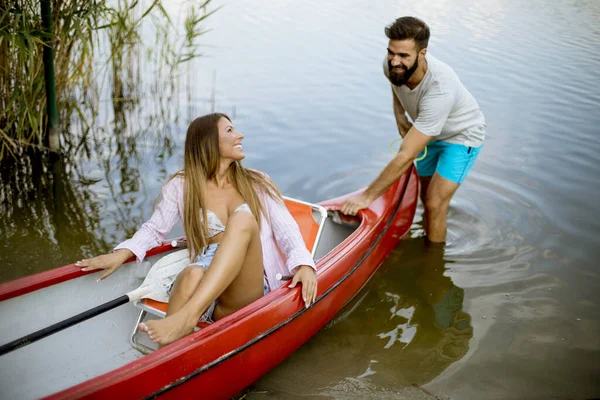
x,y
215,226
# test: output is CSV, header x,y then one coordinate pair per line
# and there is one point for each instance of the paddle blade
x,y
161,276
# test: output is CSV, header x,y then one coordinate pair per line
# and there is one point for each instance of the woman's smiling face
x,y
230,141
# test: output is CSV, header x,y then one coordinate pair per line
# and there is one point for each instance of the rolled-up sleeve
x,y
287,235
154,231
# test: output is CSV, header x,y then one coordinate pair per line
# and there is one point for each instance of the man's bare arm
x,y
401,120
412,145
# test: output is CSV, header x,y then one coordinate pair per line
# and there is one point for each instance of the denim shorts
x,y
204,258
206,255
450,160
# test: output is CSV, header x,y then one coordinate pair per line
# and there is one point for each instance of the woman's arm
x,y
287,235
151,234
298,259
154,231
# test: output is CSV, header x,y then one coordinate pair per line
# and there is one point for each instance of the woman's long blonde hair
x,y
201,163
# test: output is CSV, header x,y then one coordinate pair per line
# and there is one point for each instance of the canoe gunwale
x,y
28,284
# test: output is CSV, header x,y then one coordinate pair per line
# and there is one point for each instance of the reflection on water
x,y
424,327
55,208
47,215
403,329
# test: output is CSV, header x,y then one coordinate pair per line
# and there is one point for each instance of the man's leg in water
x,y
424,183
437,200
454,161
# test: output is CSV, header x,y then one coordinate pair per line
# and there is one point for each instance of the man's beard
x,y
402,78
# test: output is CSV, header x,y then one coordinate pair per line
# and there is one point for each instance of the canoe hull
x,y
223,359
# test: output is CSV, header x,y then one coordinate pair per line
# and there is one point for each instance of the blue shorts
x,y
203,260
450,160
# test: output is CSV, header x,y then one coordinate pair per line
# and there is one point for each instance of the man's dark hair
x,y
409,28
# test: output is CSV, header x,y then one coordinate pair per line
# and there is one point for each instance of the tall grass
x,y
80,30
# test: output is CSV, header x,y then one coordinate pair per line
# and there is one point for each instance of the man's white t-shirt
x,y
441,106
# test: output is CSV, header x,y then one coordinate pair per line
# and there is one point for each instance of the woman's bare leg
x,y
248,285
184,287
235,277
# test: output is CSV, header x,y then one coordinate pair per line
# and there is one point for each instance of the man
x,y
447,131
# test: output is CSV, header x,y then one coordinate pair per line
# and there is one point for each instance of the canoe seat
x,y
310,219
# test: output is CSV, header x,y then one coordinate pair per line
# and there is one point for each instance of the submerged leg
x,y
437,201
424,183
235,277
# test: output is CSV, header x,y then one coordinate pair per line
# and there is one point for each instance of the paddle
x,y
159,278
282,277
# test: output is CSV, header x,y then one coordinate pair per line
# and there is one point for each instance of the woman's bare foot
x,y
168,330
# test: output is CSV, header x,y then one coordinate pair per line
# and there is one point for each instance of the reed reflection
x,y
63,207
59,209
47,213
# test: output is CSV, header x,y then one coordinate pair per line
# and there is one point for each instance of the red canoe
x,y
95,360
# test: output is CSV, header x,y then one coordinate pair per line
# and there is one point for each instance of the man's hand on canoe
x,y
351,206
108,262
306,276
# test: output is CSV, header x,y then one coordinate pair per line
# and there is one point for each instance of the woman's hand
x,y
306,275
108,262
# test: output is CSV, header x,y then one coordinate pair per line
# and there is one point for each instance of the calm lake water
x,y
509,311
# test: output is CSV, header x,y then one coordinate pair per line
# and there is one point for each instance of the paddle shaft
x,y
59,326
166,267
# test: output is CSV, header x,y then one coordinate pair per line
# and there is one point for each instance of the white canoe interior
x,y
93,347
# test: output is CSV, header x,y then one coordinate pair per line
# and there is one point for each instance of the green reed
x,y
117,92
84,64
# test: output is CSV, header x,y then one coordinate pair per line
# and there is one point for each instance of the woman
x,y
248,229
